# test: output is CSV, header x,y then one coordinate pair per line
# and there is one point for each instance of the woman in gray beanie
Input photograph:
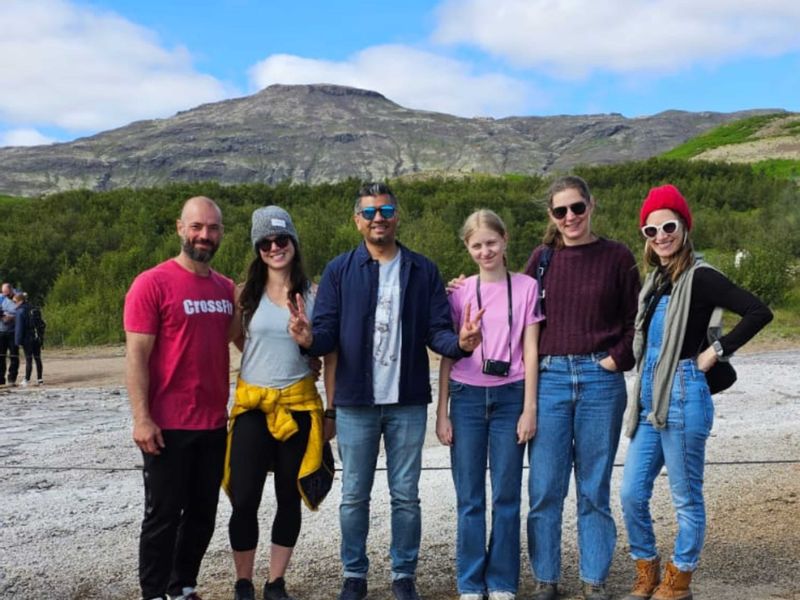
x,y
276,422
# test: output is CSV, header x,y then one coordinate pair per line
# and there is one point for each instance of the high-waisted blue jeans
x,y
579,422
484,423
680,446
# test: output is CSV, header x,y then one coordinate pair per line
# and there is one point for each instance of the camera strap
x,y
510,312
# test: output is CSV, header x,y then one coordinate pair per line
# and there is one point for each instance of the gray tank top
x,y
271,358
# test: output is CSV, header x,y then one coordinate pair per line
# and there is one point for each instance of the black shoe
x,y
405,589
244,590
276,590
353,588
545,591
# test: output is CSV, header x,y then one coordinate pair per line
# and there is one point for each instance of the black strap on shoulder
x,y
541,269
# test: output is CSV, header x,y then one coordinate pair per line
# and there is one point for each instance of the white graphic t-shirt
x,y
387,339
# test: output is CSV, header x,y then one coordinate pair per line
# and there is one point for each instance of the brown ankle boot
x,y
648,574
674,586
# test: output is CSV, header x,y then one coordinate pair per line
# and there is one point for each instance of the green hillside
x,y
770,143
77,252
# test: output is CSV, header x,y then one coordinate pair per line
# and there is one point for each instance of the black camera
x,y
499,368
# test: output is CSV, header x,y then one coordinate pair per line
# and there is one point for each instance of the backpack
x,y
37,323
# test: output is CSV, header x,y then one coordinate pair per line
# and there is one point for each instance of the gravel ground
x,y
71,502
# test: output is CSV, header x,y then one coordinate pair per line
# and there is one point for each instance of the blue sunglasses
x,y
387,211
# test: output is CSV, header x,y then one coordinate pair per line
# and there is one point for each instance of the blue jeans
x,y
680,446
579,422
359,431
484,421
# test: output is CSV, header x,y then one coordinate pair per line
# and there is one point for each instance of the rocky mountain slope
x,y
318,133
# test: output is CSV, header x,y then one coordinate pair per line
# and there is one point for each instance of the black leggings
x,y
33,350
254,452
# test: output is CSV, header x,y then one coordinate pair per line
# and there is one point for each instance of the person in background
x,y
591,286
276,423
177,319
381,306
9,350
25,337
492,411
671,411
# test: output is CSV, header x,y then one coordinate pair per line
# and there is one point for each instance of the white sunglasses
x,y
651,231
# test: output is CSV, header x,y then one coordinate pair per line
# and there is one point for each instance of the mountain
x,y
319,133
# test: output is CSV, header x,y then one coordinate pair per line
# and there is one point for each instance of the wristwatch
x,y
718,348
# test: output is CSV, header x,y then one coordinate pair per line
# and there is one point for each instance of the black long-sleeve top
x,y
710,289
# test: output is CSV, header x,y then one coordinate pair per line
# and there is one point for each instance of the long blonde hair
x,y
552,236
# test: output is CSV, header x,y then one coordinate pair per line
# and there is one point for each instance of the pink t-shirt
x,y
494,326
189,315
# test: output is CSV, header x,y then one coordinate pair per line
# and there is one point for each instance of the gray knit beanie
x,y
271,221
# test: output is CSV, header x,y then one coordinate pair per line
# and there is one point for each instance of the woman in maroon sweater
x,y
591,287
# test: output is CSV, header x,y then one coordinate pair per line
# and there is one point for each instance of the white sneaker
x,y
24,383
502,596
470,597
40,382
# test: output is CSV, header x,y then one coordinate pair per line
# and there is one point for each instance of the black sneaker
x,y
545,591
405,589
244,590
276,590
353,588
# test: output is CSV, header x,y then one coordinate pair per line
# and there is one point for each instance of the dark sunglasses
x,y
651,231
281,241
559,212
387,211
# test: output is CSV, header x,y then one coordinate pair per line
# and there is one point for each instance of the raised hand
x,y
470,337
299,325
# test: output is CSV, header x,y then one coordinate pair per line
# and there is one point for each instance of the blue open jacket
x,y
344,320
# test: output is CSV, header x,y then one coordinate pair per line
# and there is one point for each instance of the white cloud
x,y
573,37
24,137
413,78
79,69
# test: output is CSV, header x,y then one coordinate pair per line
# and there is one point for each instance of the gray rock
x,y
324,133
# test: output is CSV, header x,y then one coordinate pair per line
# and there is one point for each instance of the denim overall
x,y
680,446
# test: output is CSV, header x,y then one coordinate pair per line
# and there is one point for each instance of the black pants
x,y
181,491
8,349
33,353
254,452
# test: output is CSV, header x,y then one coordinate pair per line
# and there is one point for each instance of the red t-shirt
x,y
189,315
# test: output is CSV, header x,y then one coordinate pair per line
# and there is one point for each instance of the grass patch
x,y
733,133
782,168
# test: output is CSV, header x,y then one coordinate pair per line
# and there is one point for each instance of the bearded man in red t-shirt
x,y
177,319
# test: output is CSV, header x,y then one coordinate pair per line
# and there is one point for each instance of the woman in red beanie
x,y
670,411
585,344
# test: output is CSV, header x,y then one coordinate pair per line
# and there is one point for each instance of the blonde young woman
x,y
670,411
591,286
487,409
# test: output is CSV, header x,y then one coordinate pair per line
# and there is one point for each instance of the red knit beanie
x,y
666,196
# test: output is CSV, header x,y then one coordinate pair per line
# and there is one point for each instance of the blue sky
x,y
71,68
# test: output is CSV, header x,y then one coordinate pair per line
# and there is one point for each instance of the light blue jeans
x,y
484,421
680,446
579,423
358,434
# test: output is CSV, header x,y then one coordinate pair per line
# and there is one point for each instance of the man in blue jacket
x,y
380,305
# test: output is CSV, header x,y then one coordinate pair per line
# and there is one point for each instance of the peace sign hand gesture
x,y
299,325
470,337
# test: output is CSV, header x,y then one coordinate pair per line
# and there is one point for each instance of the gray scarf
x,y
674,330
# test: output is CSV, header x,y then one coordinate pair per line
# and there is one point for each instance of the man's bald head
x,y
200,229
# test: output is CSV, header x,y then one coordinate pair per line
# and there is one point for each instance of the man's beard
x,y
198,254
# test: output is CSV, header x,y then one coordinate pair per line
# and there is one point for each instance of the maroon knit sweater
x,y
591,300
